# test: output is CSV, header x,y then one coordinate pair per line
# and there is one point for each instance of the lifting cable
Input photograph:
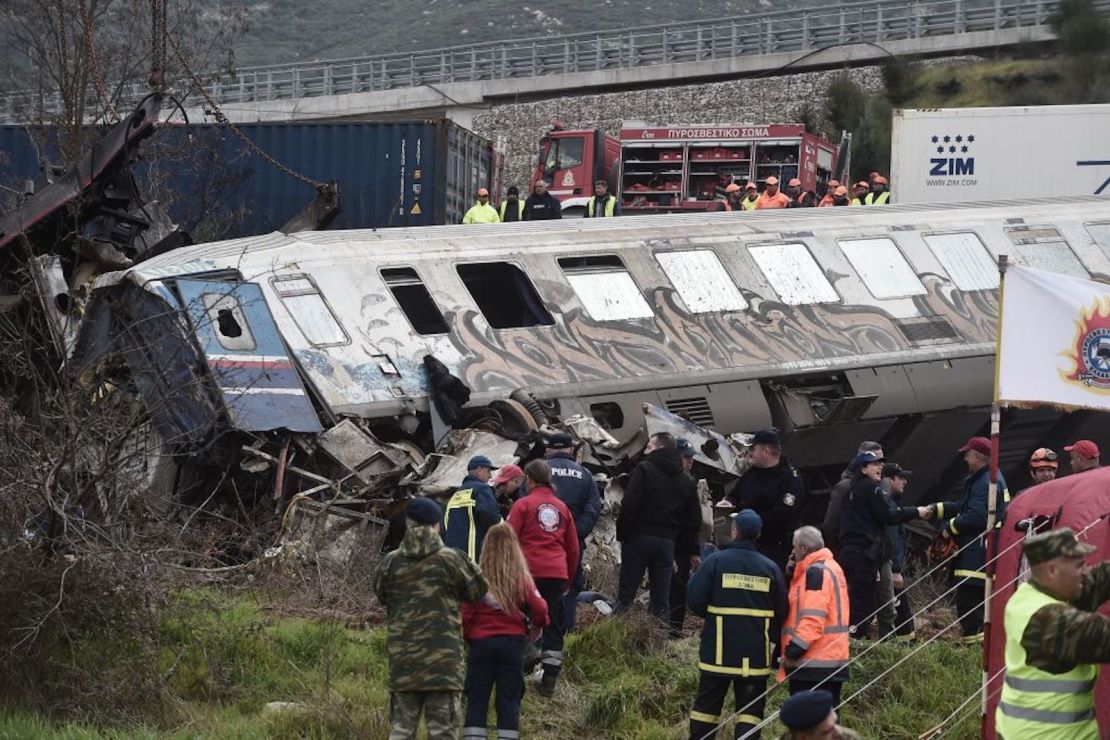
x,y
94,63
876,643
223,121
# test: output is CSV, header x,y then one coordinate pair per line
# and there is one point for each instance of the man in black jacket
x,y
773,489
542,205
575,487
660,504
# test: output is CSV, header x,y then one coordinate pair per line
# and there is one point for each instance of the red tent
x,y
1077,501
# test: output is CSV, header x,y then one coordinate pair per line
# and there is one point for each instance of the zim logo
x,y
955,163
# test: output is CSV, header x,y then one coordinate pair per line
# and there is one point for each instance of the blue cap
x,y
766,437
480,461
863,458
685,448
806,709
423,510
560,441
748,522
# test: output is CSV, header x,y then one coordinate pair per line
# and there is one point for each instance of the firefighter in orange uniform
x,y
772,197
815,636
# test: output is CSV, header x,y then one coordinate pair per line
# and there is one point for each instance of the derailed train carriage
x,y
834,325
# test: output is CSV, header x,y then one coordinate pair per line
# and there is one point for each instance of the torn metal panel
x,y
58,304
340,537
246,357
362,453
444,471
713,449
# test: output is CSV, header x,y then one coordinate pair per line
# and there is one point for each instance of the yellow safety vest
x,y
749,205
871,200
520,210
591,205
464,499
481,214
1036,704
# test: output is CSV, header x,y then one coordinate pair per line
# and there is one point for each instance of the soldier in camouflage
x,y
421,585
1054,643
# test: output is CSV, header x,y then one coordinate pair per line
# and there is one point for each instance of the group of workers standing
x,y
541,205
777,599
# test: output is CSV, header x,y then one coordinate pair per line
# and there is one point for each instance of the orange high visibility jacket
x,y
816,630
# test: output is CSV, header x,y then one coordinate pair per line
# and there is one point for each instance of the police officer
x,y
575,487
965,521
602,203
512,208
742,596
773,488
472,510
1054,643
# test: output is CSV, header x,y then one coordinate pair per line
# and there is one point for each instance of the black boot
x,y
547,685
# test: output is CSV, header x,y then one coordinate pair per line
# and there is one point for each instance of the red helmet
x,y
1044,458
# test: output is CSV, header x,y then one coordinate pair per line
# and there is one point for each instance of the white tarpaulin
x,y
1055,340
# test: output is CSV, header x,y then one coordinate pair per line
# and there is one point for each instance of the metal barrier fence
x,y
798,30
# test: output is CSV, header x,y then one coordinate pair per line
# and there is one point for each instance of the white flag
x,y
1054,347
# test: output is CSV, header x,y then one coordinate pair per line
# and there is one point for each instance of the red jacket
x,y
485,618
545,528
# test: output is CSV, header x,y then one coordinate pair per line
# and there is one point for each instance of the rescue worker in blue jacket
x,y
472,510
742,596
575,487
965,521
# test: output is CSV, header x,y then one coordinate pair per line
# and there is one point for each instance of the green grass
x,y
993,83
221,659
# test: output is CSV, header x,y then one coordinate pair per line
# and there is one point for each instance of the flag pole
x,y
992,489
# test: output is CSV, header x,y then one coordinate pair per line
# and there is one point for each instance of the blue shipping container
x,y
390,174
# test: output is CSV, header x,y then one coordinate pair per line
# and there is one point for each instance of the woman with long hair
x,y
496,629
549,540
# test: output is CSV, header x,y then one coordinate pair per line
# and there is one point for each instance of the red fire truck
x,y
670,169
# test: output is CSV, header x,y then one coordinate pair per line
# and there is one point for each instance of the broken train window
x,y
504,294
312,314
229,325
794,274
605,288
415,300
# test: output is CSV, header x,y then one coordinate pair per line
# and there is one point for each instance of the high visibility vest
x,y
1036,704
464,501
871,200
520,210
855,202
749,205
591,205
481,213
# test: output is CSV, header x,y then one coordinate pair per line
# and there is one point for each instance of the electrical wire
x,y
876,643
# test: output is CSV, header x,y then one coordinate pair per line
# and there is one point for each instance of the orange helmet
x,y
834,184
840,191
941,549
794,183
750,186
1044,458
732,188
772,180
862,184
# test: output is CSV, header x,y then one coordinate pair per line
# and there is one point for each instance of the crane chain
x,y
223,121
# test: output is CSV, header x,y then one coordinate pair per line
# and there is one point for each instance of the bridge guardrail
x,y
877,21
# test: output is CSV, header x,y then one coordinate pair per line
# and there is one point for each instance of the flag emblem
x,y
1091,354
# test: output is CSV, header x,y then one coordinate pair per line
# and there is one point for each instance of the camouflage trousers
x,y
442,712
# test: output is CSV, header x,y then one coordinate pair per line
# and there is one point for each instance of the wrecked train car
x,y
833,325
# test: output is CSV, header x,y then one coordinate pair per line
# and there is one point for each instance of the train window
x,y
311,313
504,294
225,316
965,259
1044,249
415,300
794,274
882,267
701,281
605,288
1101,234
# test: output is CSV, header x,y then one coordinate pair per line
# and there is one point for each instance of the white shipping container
x,y
976,154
